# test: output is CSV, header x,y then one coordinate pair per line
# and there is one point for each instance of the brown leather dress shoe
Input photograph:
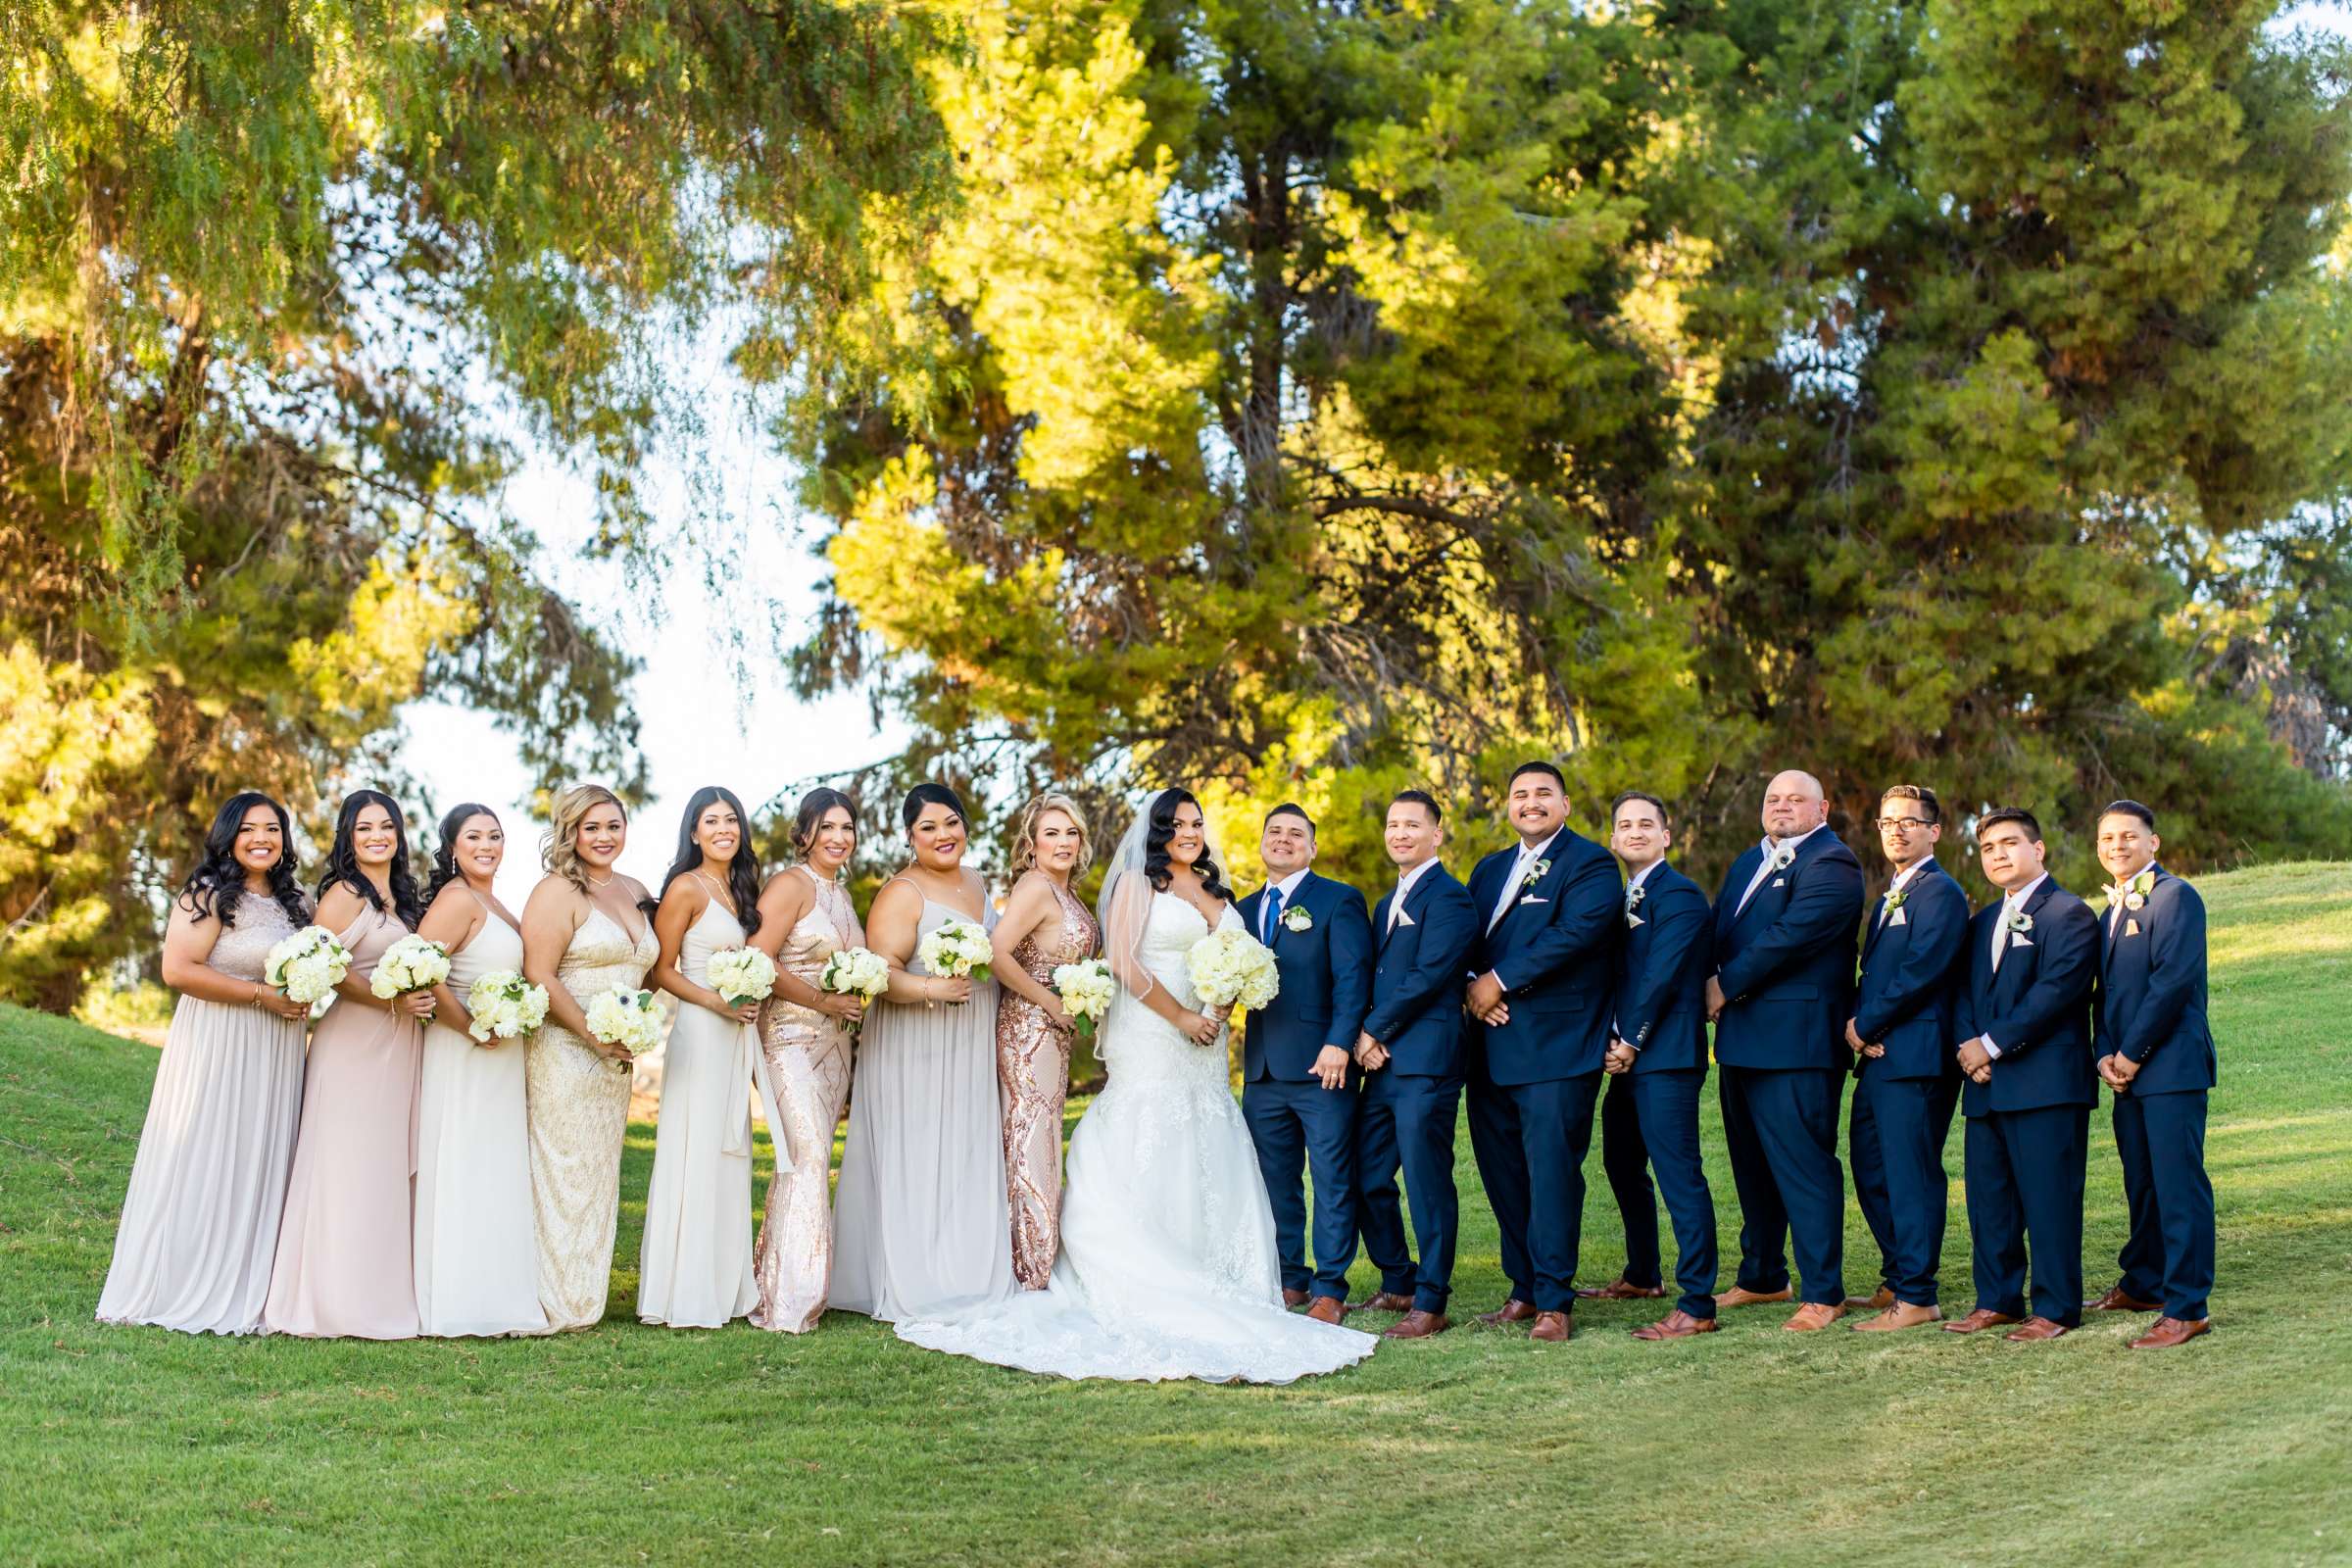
x,y
2172,1331
1899,1315
1513,1310
1878,1301
2035,1328
1417,1325
2117,1300
1382,1302
1675,1325
1290,1297
1741,1295
1552,1326
1327,1309
1617,1290
1978,1321
1813,1317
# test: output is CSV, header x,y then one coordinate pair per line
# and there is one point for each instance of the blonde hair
x,y
560,849
1024,837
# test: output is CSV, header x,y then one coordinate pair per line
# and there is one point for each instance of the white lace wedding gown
x,y
1167,1266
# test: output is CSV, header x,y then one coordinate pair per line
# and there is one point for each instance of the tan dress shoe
x,y
2116,1300
1382,1302
1290,1297
1552,1326
1813,1317
1513,1310
1417,1325
1327,1309
1978,1321
1675,1325
1899,1315
2035,1328
1617,1290
1878,1301
2172,1331
1741,1295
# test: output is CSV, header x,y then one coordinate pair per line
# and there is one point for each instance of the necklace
x,y
594,882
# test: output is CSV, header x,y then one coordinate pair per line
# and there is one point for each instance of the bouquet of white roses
x,y
308,966
411,963
858,972
1232,967
957,948
742,974
628,1019
1086,990
504,1006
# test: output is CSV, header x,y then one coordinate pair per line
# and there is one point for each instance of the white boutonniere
x,y
1896,898
1783,857
2132,895
1633,903
1534,874
1296,918
2019,921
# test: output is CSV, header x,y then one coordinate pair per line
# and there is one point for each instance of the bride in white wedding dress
x,y
1167,1266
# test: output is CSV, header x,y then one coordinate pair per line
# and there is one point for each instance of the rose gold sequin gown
x,y
1033,1069
807,1055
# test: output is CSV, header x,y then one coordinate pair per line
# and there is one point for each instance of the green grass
x,y
847,1446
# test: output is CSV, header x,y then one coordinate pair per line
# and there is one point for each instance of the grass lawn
x,y
846,1446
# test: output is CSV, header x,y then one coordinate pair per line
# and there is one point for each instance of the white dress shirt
x,y
1765,870
1265,904
1404,886
1529,855
1631,883
2000,937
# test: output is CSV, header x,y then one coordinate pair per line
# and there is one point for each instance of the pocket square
x,y
2130,927
1532,899
1404,919
1780,881
2018,938
1899,918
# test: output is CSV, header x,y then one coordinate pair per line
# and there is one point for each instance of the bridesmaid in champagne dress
x,y
805,917
200,1221
922,1226
584,931
476,1262
343,1268
1044,927
693,1270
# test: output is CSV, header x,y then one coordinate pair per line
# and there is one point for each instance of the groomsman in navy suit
x,y
1552,914
2033,956
1295,1081
1906,1082
1780,995
1657,1060
1411,1054
2155,1050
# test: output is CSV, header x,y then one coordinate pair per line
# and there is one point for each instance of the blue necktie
x,y
1273,913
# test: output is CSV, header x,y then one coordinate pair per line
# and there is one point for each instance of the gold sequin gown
x,y
1033,1072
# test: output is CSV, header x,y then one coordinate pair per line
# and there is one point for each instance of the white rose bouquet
x,y
742,974
1233,966
957,948
504,1006
413,963
1086,989
631,1019
308,966
860,972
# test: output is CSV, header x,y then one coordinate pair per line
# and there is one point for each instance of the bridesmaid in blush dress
x,y
200,1221
805,917
343,1268
585,930
1043,926
922,1226
693,1270
477,1264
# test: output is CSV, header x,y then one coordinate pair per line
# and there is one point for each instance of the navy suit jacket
x,y
1787,961
1556,951
2038,1010
2152,989
1910,972
1326,981
1418,974
1662,969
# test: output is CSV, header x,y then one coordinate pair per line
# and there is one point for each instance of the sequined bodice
x,y
243,948
1072,940
830,925
601,957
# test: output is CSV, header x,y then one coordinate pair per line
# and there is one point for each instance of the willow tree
x,y
286,290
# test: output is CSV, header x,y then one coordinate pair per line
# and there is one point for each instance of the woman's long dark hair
x,y
445,853
1156,865
743,870
219,881
813,806
343,862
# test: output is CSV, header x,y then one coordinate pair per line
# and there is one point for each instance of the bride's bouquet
x,y
957,948
628,1019
1231,967
742,974
413,963
504,1006
1086,989
308,966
